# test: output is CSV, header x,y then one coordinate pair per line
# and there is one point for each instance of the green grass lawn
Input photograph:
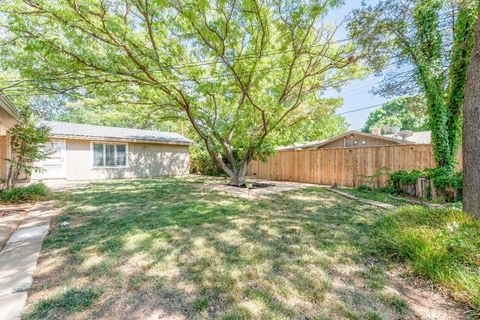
x,y
442,245
169,249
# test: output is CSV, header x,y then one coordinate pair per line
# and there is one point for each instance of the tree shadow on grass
x,y
165,248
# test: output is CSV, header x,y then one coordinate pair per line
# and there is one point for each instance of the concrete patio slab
x,y
18,259
62,185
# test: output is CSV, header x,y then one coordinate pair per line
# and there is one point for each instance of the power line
x,y
360,109
328,84
191,65
203,63
213,77
195,64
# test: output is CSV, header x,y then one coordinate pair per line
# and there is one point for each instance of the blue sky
x,y
357,94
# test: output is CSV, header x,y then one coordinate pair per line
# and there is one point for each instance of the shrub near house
x,y
30,193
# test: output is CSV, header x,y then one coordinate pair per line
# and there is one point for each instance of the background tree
x,y
471,133
27,141
246,74
407,113
436,38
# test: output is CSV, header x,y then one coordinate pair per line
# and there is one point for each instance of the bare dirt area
x,y
425,301
268,187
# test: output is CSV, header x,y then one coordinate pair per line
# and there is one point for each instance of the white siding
x,y
144,160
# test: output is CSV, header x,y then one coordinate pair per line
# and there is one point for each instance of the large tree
x,y
246,74
407,113
471,133
435,37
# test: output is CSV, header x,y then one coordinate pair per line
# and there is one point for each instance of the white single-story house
x,y
88,152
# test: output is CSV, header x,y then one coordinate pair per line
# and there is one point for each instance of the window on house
x,y
109,155
53,150
98,155
121,155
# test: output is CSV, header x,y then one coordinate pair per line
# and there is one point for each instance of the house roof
x,y
87,131
318,144
301,146
420,137
6,105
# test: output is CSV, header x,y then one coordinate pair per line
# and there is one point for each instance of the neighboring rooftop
x,y
75,130
302,145
420,137
318,144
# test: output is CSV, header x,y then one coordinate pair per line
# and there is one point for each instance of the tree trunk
x,y
471,133
12,175
239,177
9,177
237,180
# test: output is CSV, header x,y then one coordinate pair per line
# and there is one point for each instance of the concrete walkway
x,y
62,185
10,223
18,259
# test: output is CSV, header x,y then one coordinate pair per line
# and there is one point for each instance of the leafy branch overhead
x,y
246,74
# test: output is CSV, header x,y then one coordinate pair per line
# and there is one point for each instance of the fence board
x,y
343,166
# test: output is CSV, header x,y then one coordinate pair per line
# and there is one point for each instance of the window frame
x,y
104,143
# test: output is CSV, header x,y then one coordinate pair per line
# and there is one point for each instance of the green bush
x,y
30,193
202,163
387,190
443,180
364,188
454,181
403,177
440,244
430,173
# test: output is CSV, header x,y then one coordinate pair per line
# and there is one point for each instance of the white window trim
x,y
92,166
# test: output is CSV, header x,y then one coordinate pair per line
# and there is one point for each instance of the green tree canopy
x,y
247,75
407,113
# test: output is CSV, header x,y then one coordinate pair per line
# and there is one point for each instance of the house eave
x,y
321,144
8,106
114,139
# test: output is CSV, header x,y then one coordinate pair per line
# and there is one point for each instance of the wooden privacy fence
x,y
347,167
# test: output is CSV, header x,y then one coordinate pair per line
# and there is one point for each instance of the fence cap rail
x,y
359,147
